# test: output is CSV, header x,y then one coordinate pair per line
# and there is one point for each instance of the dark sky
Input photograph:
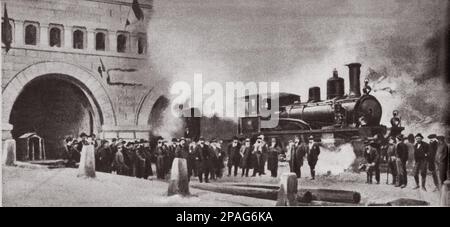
x,y
295,42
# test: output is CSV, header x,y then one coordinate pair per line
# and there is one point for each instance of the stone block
x,y
87,162
9,152
287,194
178,183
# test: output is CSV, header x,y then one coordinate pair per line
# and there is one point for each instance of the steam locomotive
x,y
338,119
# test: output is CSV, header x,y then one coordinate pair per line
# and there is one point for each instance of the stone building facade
x,y
75,67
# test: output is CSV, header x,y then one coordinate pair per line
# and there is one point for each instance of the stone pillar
x,y
287,196
9,152
90,39
112,41
67,37
87,162
179,183
44,39
19,33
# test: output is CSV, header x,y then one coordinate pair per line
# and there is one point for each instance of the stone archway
x,y
81,77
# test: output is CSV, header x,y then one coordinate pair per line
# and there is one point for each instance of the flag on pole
x,y
136,14
6,31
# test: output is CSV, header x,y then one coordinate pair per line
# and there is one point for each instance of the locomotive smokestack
x,y
335,86
314,94
354,70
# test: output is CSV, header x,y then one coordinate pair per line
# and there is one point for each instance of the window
x,y
141,45
31,33
78,39
121,43
55,37
100,40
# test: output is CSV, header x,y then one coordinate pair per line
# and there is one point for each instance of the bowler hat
x,y
432,136
83,134
419,135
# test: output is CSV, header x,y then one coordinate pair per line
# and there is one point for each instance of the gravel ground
x,y
351,181
61,187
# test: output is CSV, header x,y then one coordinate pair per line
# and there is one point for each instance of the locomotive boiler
x,y
340,117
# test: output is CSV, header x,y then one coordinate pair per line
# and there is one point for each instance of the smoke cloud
x,y
335,161
299,43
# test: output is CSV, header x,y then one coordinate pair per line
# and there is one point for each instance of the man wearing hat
x,y
442,159
259,149
171,153
395,124
373,161
391,159
421,151
431,160
313,156
297,154
234,156
83,141
246,153
203,158
182,150
161,155
401,153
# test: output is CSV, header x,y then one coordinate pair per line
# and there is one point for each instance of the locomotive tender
x,y
338,119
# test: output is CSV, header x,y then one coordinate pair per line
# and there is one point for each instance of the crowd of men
x,y
432,156
205,159
208,159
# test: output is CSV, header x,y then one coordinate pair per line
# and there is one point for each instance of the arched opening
x,y
54,106
78,39
55,37
100,41
141,45
156,115
30,34
121,43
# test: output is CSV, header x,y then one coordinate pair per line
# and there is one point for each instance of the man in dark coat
x,y
373,162
203,158
219,155
313,156
401,160
191,161
272,160
442,159
432,159
421,151
234,156
171,153
148,159
104,157
140,161
246,153
119,163
298,152
182,150
161,155
259,149
391,159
